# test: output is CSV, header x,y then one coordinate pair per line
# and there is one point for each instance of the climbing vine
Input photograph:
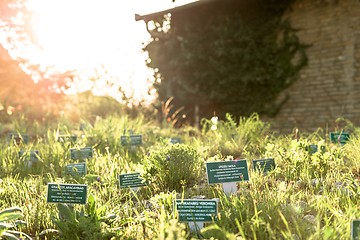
x,y
227,57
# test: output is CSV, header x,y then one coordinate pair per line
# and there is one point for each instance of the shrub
x,y
168,167
73,224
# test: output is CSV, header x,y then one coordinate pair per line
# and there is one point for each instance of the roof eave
x,y
155,15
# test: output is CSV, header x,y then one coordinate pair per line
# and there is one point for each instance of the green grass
x,y
306,197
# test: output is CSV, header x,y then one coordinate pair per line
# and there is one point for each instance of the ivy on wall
x,y
226,57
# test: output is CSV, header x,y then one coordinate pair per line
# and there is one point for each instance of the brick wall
x,y
329,87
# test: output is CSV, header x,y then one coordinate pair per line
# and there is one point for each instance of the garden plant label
x,y
227,171
132,140
66,193
76,169
264,165
131,180
195,210
341,138
312,148
83,153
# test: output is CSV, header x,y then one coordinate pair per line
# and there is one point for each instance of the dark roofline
x,y
155,15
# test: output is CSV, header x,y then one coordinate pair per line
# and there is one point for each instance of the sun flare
x,y
92,37
99,39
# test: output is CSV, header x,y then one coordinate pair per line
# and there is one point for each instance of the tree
x,y
18,91
226,57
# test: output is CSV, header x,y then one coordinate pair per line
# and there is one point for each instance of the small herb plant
x,y
171,166
73,224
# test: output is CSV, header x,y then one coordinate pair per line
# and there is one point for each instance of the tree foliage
x,y
226,56
18,92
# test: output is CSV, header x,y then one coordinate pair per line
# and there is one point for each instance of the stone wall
x,y
329,87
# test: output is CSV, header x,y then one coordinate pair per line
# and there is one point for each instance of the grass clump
x,y
168,167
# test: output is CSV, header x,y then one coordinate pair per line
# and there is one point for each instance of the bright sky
x,y
96,35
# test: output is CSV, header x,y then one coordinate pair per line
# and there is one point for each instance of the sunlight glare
x,y
92,35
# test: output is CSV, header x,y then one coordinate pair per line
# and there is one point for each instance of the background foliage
x,y
227,56
18,91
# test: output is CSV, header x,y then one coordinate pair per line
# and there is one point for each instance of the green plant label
x,y
195,210
66,193
131,180
355,229
76,169
67,138
131,140
264,165
227,171
135,140
18,138
175,140
83,127
312,148
29,156
83,153
341,138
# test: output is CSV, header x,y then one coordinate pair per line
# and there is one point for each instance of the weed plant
x,y
246,138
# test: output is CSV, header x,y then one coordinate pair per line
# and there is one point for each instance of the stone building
x,y
329,86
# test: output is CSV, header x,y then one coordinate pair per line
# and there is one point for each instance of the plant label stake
x,y
76,169
83,153
131,180
66,193
195,212
227,172
132,140
312,148
264,165
339,138
229,188
196,226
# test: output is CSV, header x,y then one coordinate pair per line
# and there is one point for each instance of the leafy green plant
x,y
170,166
252,54
72,224
8,220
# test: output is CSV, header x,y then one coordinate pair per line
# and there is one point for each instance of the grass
x,y
307,196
